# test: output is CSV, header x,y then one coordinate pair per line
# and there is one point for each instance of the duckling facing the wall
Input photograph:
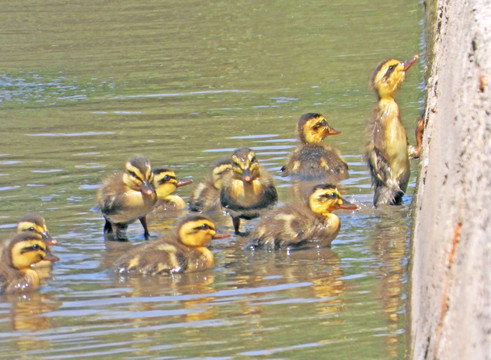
x,y
19,253
248,190
126,197
313,159
35,223
183,251
301,225
165,183
206,195
387,150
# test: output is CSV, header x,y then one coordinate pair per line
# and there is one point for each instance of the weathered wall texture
x,y
451,268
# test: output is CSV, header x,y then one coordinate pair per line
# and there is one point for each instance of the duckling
x,y
22,251
206,195
36,223
387,150
247,190
312,159
300,225
165,183
183,251
127,196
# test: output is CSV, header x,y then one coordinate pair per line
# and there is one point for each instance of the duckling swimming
x,y
126,197
206,195
165,183
301,225
19,253
247,190
183,251
36,223
312,159
387,150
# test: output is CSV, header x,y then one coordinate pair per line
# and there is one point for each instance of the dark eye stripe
x,y
34,247
389,71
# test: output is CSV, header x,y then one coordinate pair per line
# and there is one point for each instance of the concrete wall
x,y
450,313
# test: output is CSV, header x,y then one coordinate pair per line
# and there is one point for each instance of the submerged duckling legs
x,y
116,232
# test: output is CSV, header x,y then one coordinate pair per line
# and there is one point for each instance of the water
x,y
86,85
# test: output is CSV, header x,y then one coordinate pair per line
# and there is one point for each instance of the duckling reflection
x,y
248,190
24,250
126,197
387,151
27,310
205,196
301,225
312,159
183,251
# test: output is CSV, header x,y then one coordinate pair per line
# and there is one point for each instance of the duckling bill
x,y
301,225
126,197
247,190
387,150
182,252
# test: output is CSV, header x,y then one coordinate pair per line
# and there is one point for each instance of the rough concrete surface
x,y
450,314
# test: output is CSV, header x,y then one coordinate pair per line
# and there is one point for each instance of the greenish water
x,y
84,85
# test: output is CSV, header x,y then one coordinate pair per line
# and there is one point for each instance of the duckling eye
x,y
205,227
132,173
253,159
392,67
166,178
31,229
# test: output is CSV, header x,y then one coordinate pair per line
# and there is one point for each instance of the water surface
x,y
86,85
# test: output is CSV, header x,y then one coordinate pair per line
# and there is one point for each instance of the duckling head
x,y
313,128
35,223
197,230
28,248
325,198
245,166
388,76
138,175
218,171
166,182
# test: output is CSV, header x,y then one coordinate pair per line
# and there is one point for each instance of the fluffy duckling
x,y
247,190
36,223
165,183
24,250
126,197
183,251
300,225
387,151
206,195
313,159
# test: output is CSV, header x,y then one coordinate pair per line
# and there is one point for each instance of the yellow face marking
x,y
196,233
389,78
315,130
165,183
217,174
323,201
25,253
30,226
250,163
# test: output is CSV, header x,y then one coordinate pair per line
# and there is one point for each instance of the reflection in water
x,y
390,246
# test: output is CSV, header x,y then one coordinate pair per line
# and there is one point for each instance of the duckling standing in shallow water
x,y
247,190
165,183
312,159
301,225
24,250
206,195
387,150
126,197
36,223
184,251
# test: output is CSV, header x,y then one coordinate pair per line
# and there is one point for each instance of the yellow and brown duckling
x,y
165,183
301,225
126,197
181,252
313,159
22,251
247,190
387,150
206,195
36,223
